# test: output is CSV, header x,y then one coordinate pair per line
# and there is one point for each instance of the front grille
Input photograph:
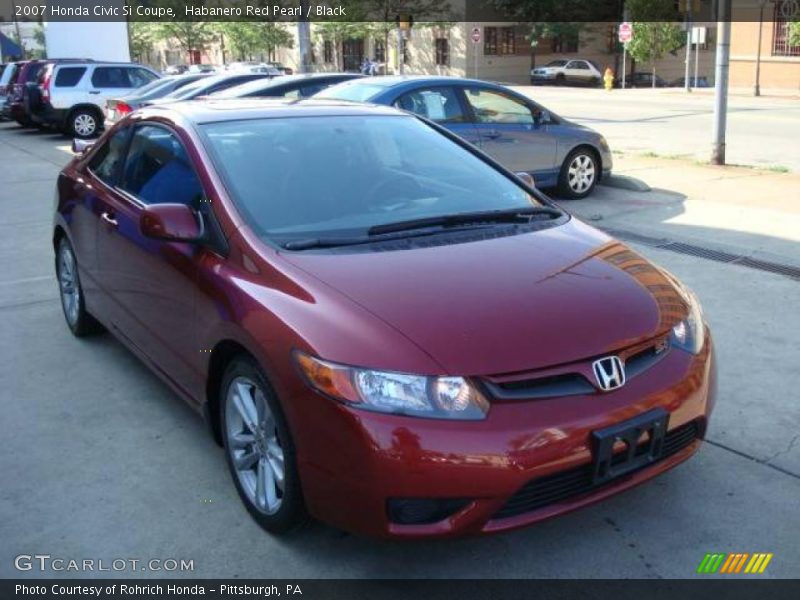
x,y
562,486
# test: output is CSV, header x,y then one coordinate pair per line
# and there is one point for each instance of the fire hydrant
x,y
608,78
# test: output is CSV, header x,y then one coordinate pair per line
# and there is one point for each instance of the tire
x,y
78,319
84,123
579,174
560,79
244,395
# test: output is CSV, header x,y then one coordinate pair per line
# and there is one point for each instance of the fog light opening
x,y
423,511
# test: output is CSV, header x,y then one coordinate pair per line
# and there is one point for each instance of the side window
x,y
309,90
493,107
69,76
437,104
111,77
157,169
139,77
107,158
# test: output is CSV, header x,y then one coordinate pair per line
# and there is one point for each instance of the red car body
x,y
482,310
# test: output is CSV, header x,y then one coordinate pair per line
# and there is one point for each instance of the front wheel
x,y
578,174
259,448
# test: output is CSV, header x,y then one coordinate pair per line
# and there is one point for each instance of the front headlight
x,y
395,393
689,334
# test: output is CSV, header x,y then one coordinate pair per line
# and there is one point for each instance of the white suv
x,y
71,96
565,70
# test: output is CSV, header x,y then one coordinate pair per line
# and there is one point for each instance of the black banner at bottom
x,y
396,589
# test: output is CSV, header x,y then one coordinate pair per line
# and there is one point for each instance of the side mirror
x,y
527,178
542,117
171,222
82,146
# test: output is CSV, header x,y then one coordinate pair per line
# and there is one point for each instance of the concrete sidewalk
x,y
751,212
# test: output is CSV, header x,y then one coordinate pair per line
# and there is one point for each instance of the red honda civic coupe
x,y
384,328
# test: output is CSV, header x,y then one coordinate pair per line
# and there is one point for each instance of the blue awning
x,y
8,48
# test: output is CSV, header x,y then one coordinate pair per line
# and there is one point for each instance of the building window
x,y
781,46
327,51
380,51
509,41
442,52
500,41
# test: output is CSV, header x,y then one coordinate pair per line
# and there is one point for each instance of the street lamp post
x,y
721,82
757,86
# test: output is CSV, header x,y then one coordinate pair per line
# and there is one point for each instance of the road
x,y
101,461
670,122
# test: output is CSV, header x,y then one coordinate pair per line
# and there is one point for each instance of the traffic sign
x,y
475,36
625,33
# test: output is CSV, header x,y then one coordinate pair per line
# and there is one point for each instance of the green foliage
x,y
552,12
794,33
652,40
141,36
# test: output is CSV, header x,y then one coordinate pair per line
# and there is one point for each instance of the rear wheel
x,y
579,174
259,448
83,123
79,321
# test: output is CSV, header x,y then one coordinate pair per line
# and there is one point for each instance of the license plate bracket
x,y
608,465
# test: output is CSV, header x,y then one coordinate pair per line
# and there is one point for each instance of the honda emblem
x,y
609,373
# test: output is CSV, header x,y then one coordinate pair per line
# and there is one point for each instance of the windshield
x,y
357,92
556,63
153,86
189,90
293,178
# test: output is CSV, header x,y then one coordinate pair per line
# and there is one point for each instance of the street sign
x,y
625,33
475,36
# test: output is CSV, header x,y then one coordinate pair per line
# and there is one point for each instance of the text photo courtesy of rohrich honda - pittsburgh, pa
x,y
386,298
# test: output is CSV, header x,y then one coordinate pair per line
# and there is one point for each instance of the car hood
x,y
512,303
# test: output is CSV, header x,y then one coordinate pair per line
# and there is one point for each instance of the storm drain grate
x,y
707,253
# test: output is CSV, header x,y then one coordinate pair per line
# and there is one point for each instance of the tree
x,y
191,36
652,39
794,33
141,36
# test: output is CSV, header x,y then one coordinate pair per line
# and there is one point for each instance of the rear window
x,y
8,73
69,76
357,92
32,72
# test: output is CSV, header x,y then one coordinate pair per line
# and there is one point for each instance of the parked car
x,y
72,96
116,108
643,79
176,69
201,69
519,133
5,85
208,85
562,71
383,326
290,86
698,82
280,67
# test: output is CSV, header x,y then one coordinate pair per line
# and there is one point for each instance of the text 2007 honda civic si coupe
x,y
385,329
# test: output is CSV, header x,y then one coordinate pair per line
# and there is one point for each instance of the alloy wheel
x,y
254,445
581,173
84,124
68,284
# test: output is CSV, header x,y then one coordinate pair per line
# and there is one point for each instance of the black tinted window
x,y
69,76
111,77
105,161
158,170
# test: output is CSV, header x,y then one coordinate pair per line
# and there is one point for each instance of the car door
x,y
442,105
151,283
578,71
511,131
106,82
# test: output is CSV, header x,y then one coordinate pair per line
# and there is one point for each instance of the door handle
x,y
492,134
94,91
109,218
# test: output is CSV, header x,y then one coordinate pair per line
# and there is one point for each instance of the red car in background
x,y
384,328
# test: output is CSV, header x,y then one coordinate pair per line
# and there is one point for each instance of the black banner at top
x,y
496,11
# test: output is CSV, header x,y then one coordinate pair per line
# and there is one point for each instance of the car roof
x,y
238,109
266,83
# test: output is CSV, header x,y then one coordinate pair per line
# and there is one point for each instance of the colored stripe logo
x,y
734,562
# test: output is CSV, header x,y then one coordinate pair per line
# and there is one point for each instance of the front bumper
x,y
380,457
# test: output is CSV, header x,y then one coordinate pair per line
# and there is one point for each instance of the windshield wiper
x,y
507,215
370,238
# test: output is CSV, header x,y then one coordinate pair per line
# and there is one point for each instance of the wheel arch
x,y
591,148
221,355
88,106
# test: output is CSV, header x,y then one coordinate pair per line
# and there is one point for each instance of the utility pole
x,y
721,81
688,22
304,38
757,86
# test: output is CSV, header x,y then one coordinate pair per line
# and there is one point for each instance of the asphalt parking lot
x,y
101,460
